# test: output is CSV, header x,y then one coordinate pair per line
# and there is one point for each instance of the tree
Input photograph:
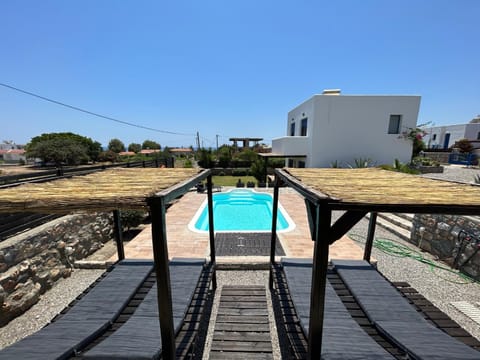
x,y
94,150
116,146
258,170
464,145
247,155
134,147
108,155
224,156
206,159
150,144
63,148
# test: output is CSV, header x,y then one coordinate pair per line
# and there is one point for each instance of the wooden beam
x,y
348,220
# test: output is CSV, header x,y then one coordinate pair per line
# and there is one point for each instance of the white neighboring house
x,y
338,128
442,137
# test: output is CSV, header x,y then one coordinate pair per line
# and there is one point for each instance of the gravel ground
x,y
49,305
439,287
456,173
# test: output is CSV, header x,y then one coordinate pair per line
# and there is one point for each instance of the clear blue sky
x,y
228,68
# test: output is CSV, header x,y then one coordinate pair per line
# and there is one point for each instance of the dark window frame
x,y
304,127
394,124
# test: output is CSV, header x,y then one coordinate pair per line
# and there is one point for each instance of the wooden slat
x,y
242,328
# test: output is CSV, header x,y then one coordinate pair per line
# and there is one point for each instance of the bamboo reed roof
x,y
374,186
119,188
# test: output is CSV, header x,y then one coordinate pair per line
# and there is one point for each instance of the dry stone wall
x,y
439,235
31,262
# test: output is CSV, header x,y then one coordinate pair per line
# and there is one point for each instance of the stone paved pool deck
x,y
183,242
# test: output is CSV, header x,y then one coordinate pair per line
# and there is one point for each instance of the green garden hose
x,y
396,249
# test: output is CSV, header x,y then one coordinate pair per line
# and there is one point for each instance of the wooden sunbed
x,y
395,318
139,337
343,338
87,319
93,314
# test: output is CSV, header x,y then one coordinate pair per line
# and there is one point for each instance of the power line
x,y
93,113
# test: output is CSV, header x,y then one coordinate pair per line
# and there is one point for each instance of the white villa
x,y
442,137
331,127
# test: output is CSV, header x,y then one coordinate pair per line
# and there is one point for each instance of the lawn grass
x,y
231,180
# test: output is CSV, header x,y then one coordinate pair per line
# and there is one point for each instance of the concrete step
x,y
400,220
399,231
408,217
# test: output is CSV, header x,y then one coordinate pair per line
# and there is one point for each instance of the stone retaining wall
x,y
441,157
438,235
31,262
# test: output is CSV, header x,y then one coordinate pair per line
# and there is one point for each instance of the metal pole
x,y
164,292
370,236
273,238
211,229
319,280
117,232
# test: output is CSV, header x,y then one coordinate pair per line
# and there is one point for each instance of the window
x,y
290,163
478,136
301,164
394,124
435,137
303,127
292,129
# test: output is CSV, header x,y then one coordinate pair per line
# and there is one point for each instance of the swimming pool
x,y
241,210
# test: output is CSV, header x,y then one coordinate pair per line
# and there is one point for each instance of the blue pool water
x,y
241,210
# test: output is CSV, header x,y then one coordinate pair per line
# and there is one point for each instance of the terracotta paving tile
x,y
184,243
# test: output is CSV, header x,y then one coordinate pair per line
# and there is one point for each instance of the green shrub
x,y
131,218
424,161
362,163
335,164
239,172
476,179
400,167
464,145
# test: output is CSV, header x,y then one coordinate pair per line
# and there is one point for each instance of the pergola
x,y
111,190
358,192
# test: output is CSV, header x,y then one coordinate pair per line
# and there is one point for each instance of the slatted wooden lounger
x,y
343,338
88,318
395,318
139,337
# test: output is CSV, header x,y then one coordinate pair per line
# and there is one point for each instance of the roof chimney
x,y
331,92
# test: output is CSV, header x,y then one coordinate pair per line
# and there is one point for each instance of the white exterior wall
x,y
457,132
344,128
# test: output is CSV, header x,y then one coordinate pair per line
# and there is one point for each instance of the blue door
x,y
446,141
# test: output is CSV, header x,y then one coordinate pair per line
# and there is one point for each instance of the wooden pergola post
x,y
164,291
117,232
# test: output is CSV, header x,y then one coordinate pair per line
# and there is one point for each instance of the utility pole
x,y
198,141
217,145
